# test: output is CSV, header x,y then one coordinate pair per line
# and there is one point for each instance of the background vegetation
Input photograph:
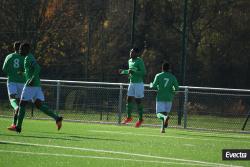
x,y
90,39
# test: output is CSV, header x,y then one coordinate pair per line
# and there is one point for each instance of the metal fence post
x,y
120,105
185,110
58,89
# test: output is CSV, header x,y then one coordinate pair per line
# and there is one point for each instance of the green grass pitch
x,y
99,145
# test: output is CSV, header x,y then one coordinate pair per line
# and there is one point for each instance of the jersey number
x,y
16,63
166,82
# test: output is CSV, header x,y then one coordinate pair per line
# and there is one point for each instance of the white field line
x,y
101,157
165,136
218,134
121,153
243,135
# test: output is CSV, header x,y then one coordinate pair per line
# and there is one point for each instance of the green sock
x,y
140,111
14,103
14,119
129,108
21,115
160,116
45,109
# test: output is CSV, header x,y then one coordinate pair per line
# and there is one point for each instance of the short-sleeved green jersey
x,y
166,85
138,70
32,70
13,67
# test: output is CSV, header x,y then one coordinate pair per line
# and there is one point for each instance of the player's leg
x,y
139,108
129,104
139,94
159,109
167,106
21,114
129,108
140,111
45,109
15,102
161,113
27,95
13,98
162,117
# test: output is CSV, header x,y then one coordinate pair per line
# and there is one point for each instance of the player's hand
x,y
29,82
151,85
120,71
130,71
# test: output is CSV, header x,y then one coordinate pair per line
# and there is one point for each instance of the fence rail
x,y
193,107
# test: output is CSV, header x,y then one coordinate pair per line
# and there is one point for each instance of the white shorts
x,y
162,106
15,89
32,94
136,90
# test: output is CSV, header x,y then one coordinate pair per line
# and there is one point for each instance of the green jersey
x,y
166,85
32,70
138,70
13,67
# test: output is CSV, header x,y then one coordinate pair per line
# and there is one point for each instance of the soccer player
x,y
166,85
13,68
32,89
136,73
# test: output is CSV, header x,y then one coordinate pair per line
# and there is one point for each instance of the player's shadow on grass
x,y
93,138
68,138
38,137
77,136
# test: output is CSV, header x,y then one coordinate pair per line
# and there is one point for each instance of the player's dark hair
x,y
165,66
136,50
24,49
16,45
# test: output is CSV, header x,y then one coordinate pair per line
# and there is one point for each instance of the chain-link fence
x,y
196,107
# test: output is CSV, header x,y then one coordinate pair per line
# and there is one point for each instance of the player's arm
x,y
32,69
5,66
36,72
27,71
175,85
37,69
123,72
155,83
